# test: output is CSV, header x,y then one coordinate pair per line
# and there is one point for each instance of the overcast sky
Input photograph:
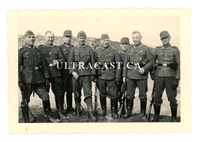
x,y
115,26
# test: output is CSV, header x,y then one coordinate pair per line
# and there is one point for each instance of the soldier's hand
x,y
55,62
124,79
175,83
75,75
47,83
92,78
21,85
141,71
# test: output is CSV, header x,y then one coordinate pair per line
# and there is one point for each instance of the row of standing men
x,y
37,67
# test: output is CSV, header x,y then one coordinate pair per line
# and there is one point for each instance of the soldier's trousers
x,y
85,83
142,86
39,89
110,85
161,84
55,86
67,84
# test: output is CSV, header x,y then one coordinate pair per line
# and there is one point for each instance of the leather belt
x,y
51,65
164,65
32,68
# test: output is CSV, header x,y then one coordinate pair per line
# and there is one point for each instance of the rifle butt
x,y
24,113
149,112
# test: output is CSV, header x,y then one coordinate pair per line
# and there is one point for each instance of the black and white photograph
x,y
99,67
97,94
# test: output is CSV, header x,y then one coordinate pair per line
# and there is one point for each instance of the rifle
x,y
123,102
77,99
151,101
24,107
95,99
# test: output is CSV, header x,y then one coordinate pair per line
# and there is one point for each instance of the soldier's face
x,y
49,38
30,40
124,46
136,38
81,40
105,42
67,39
165,40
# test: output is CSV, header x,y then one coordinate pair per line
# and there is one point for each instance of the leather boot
x,y
103,106
92,116
47,112
62,101
143,105
157,113
88,101
69,103
27,112
60,116
78,107
174,115
114,104
129,108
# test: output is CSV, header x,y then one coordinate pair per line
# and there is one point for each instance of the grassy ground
x,y
37,109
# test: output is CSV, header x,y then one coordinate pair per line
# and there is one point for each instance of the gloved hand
x,y
75,75
21,85
142,71
92,78
175,83
117,80
47,83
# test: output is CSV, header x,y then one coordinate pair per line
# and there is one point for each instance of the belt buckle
x,y
51,65
164,65
36,68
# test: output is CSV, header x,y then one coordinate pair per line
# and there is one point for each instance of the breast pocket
x,y
110,58
160,56
132,57
172,57
54,54
39,58
76,56
27,57
99,57
141,55
167,57
87,57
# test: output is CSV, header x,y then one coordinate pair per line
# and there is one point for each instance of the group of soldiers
x,y
38,70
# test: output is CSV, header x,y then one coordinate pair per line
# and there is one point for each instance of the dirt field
x,y
37,109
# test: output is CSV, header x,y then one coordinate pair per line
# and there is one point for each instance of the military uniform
x,y
83,54
142,55
33,75
167,76
51,53
108,78
66,77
